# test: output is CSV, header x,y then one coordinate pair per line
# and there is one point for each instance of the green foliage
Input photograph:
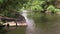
x,y
57,10
37,7
40,4
32,4
10,7
1,1
35,4
51,8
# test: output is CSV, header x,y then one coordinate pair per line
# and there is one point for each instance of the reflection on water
x,y
47,24
31,25
37,24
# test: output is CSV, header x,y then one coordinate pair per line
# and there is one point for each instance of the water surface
x,y
37,24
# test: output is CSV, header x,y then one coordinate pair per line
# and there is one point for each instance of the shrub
x,y
51,8
57,10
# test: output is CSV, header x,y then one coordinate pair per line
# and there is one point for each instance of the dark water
x,y
37,24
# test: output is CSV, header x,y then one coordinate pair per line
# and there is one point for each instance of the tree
x,y
10,7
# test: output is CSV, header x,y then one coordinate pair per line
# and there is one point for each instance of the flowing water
x,y
37,23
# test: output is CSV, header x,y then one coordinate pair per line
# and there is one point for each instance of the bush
x,y
51,8
57,10
36,8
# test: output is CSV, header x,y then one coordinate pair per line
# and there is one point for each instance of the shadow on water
x,y
47,23
13,30
3,30
43,18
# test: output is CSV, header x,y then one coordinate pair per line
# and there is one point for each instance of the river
x,y
37,23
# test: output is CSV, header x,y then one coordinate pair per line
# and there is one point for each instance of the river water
x,y
37,23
